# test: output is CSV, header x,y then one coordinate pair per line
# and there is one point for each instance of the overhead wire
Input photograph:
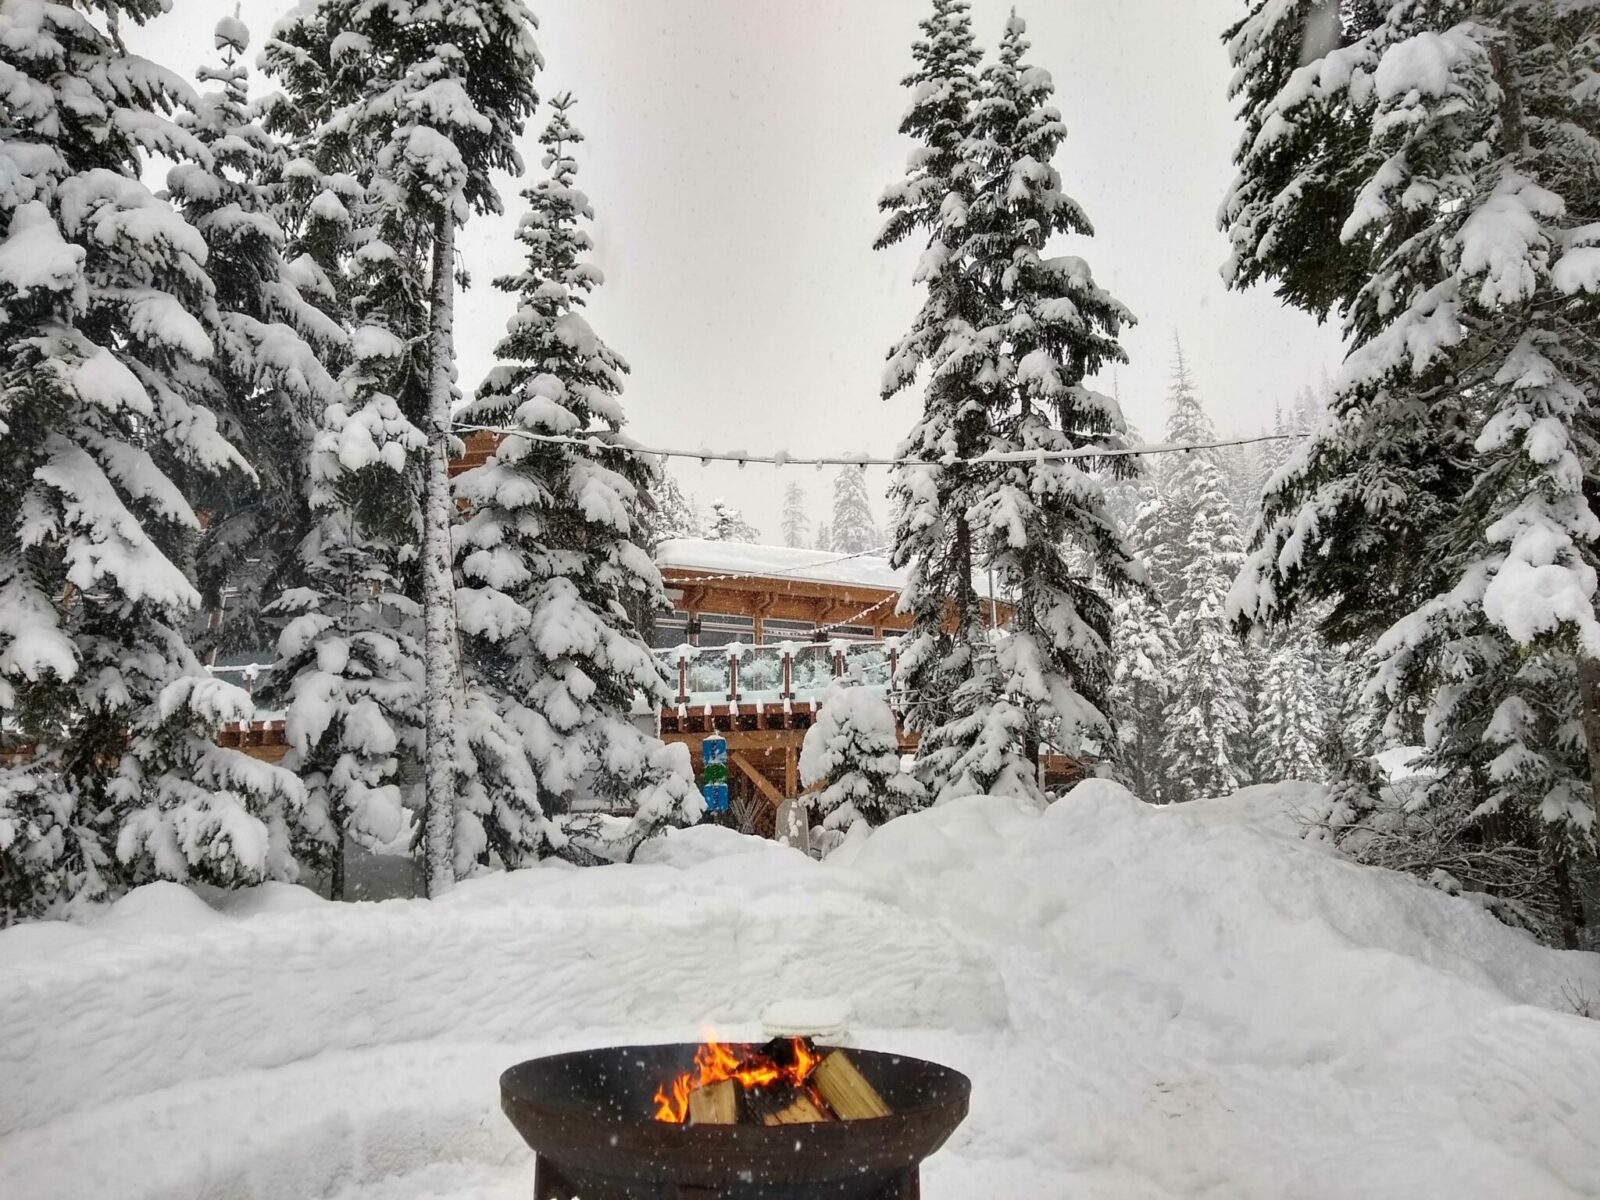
x,y
782,459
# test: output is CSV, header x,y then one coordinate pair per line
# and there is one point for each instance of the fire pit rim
x,y
634,1145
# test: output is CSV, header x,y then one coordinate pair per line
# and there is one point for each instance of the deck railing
x,y
780,674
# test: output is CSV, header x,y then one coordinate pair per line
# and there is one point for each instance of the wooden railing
x,y
784,673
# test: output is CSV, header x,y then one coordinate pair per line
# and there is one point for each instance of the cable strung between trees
x,y
781,459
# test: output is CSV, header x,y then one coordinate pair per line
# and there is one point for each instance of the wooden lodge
x,y
756,637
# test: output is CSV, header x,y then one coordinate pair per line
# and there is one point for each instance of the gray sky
x,y
735,152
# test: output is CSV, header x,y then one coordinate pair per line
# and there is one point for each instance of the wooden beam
x,y
763,784
791,771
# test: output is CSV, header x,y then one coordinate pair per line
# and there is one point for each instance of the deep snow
x,y
1183,1002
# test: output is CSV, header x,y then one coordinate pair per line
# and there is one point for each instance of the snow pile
x,y
1151,1003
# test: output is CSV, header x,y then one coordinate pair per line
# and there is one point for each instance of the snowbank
x,y
1164,1003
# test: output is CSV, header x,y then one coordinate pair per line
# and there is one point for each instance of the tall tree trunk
x,y
1589,696
1566,902
438,581
336,868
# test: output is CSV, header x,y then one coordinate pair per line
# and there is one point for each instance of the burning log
x,y
715,1104
846,1090
781,1083
801,1109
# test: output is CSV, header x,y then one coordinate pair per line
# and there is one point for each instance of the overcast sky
x,y
735,152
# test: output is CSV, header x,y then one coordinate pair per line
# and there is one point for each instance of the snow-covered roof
x,y
783,562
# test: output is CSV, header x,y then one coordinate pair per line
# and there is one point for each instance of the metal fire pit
x,y
588,1116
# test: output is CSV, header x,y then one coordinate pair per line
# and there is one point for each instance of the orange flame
x,y
716,1061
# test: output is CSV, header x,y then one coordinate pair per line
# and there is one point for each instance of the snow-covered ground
x,y
1155,1003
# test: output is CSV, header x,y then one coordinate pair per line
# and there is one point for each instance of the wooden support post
x,y
791,771
763,784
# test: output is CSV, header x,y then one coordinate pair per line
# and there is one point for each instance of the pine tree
x,y
1429,172
424,102
796,523
550,551
672,512
853,752
1042,526
109,331
824,537
1188,424
1009,336
1143,652
349,672
1205,711
350,662
933,540
271,385
852,529
982,748
727,524
1292,719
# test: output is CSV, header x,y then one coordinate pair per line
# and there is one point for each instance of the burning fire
x,y
715,1061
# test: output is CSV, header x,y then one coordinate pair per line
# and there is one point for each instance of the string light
x,y
781,459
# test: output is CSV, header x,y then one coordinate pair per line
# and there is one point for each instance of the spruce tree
x,y
350,664
1143,653
853,530
1205,722
727,524
1188,424
550,551
271,384
109,333
1042,526
423,102
1429,173
1009,336
1293,698
933,541
796,522
853,753
672,512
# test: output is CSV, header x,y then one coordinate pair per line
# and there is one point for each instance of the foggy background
x,y
735,152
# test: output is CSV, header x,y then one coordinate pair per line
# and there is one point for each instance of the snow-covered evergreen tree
x,y
349,670
1205,722
109,330
1188,424
1042,526
727,524
932,540
984,748
1292,708
1009,336
672,512
796,521
1142,653
853,530
1428,170
824,537
271,384
853,750
550,552
350,666
424,101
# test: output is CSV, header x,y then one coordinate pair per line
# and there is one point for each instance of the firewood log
x,y
715,1104
800,1109
846,1090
